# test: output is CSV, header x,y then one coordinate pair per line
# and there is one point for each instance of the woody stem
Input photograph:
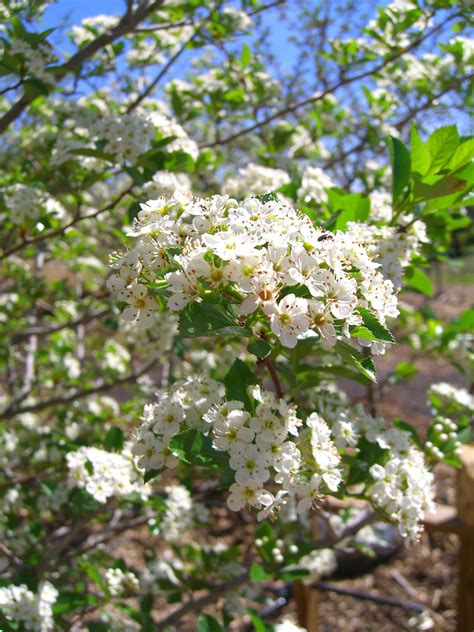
x,y
268,362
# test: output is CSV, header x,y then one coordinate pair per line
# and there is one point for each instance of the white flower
x,y
248,493
251,464
141,305
289,318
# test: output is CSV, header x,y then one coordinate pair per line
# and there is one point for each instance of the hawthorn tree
x,y
199,239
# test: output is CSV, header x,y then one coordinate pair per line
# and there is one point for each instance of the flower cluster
x,y
258,444
256,254
155,341
183,405
89,125
391,246
34,611
91,26
181,514
401,483
314,183
255,180
402,489
23,202
121,582
450,396
319,563
461,351
35,59
166,183
104,474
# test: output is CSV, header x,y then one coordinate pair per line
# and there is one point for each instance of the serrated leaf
x,y
401,166
446,186
420,156
364,364
193,447
405,370
380,332
151,474
114,439
354,207
207,319
237,380
441,145
92,153
260,348
292,574
404,425
94,574
462,155
257,621
418,280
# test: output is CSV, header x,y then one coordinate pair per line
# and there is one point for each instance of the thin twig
x,y
344,81
268,362
59,231
125,26
80,394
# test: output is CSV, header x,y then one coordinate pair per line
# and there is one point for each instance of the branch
x,y
162,73
197,605
67,399
126,25
51,329
62,229
331,89
274,375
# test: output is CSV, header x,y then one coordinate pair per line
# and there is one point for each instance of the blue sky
x,y
70,12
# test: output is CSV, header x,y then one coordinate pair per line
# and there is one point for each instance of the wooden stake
x,y
465,513
307,597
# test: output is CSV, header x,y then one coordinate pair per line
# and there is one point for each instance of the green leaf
x,y
93,153
417,280
245,56
401,166
133,211
404,425
206,623
380,332
97,626
260,348
193,447
94,574
341,371
353,208
258,573
257,621
237,380
151,474
462,155
441,145
207,319
364,364
420,156
114,439
332,221
404,370
446,186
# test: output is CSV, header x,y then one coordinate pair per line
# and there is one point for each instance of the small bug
x,y
325,236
